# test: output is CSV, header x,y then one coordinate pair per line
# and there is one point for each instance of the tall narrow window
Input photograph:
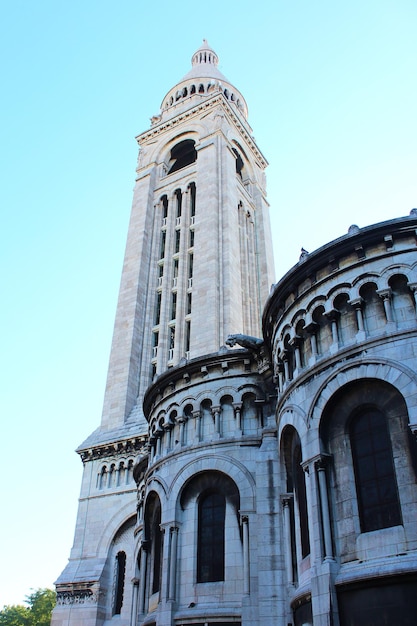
x,y
154,539
160,274
189,302
190,270
163,241
178,196
171,342
191,238
192,199
210,548
158,308
376,484
120,582
173,305
155,341
164,200
177,241
175,269
187,336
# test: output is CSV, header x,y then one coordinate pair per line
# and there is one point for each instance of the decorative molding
x,y
196,112
85,594
113,450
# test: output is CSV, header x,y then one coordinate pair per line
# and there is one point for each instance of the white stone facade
x,y
342,327
273,480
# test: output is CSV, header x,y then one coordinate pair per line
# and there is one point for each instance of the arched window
x,y
182,154
373,309
376,485
120,582
178,196
210,544
324,330
211,503
250,414
289,356
153,535
347,325
297,526
164,201
239,163
402,300
192,189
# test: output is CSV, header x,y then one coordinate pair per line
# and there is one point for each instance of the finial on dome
x,y
205,54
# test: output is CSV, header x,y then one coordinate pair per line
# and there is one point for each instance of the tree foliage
x,y
37,612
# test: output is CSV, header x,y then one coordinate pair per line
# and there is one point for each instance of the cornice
x,y
330,255
113,449
222,365
352,356
194,112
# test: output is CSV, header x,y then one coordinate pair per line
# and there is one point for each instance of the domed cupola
x,y
205,54
202,81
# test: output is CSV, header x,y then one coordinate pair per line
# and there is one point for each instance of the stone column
x,y
168,435
127,473
295,343
333,316
311,329
286,367
413,287
109,476
385,295
152,442
357,304
181,420
286,503
246,561
216,415
197,417
280,372
139,507
135,593
186,205
238,415
173,562
143,573
320,466
158,443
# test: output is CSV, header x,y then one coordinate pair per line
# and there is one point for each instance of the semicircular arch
x,y
398,375
220,463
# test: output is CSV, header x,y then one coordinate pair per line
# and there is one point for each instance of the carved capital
x,y
311,328
332,315
384,294
413,428
357,303
287,499
322,462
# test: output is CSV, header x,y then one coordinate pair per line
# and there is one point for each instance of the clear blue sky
x,y
331,90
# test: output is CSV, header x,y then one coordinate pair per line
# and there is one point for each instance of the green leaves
x,y
38,612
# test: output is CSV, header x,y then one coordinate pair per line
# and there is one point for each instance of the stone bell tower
x,y
198,267
198,262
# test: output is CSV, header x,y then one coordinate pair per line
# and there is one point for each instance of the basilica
x,y
256,460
